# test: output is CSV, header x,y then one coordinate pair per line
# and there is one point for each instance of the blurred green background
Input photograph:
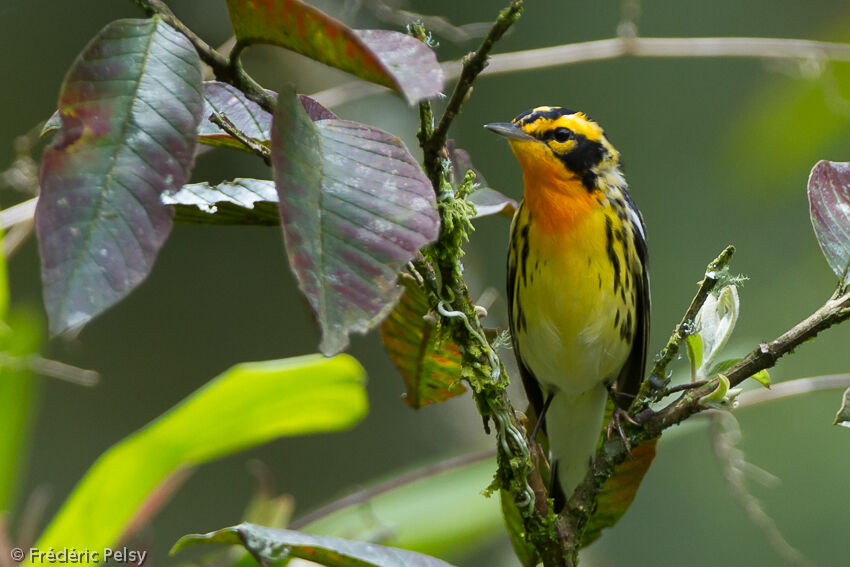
x,y
717,151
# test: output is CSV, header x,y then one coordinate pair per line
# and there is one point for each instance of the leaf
x,y
487,201
619,491
248,117
388,58
249,404
523,549
722,366
715,323
715,399
842,418
18,399
695,353
829,210
490,202
762,377
240,202
273,545
444,515
355,207
130,108
429,361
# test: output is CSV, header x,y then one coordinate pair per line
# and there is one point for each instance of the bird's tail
x,y
573,425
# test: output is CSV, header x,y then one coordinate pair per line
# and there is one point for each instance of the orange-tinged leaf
x,y
388,58
619,492
428,361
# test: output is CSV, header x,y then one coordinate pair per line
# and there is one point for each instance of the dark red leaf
x,y
829,210
130,108
388,58
355,208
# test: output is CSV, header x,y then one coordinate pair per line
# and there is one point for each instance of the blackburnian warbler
x,y
578,286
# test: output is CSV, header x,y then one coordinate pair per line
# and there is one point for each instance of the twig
x,y
50,368
367,494
793,388
835,310
19,213
434,142
685,326
225,69
222,121
598,50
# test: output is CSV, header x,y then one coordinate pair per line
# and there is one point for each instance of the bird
x,y
577,284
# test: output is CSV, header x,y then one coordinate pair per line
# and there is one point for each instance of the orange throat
x,y
557,199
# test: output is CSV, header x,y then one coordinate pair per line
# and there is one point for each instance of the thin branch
x,y
572,53
368,494
225,69
22,212
222,121
793,388
685,326
835,310
472,66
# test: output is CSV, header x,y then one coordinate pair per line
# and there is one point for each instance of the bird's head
x,y
560,143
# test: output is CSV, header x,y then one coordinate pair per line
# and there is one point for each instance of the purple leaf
x,y
487,201
355,208
273,546
829,209
245,114
388,58
130,108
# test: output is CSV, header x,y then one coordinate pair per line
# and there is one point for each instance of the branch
x,y
222,121
226,69
613,452
433,142
569,54
368,494
685,326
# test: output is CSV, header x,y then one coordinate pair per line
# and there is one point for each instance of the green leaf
x,y
762,377
429,361
241,202
388,58
18,392
524,550
130,107
273,545
695,352
842,418
722,366
829,210
716,397
355,208
249,404
444,515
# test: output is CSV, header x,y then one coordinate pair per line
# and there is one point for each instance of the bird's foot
x,y
616,424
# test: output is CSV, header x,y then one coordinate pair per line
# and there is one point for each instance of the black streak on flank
x,y
612,254
524,253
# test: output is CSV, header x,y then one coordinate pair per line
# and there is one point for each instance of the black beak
x,y
508,130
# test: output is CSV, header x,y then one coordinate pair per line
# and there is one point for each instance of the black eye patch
x,y
561,134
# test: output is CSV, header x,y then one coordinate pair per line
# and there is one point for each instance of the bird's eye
x,y
562,135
